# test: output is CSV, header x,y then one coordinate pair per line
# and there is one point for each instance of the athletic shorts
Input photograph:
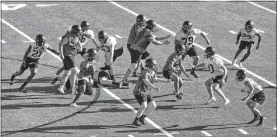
x,y
128,47
145,55
167,73
144,97
135,55
245,44
191,52
217,78
29,62
69,62
259,97
117,53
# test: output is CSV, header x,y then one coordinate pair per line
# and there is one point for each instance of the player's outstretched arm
x,y
146,81
27,52
163,38
238,37
183,70
206,38
259,40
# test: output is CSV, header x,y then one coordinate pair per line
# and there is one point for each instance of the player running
x,y
136,28
107,44
255,95
142,91
31,60
219,72
246,37
187,36
140,44
170,69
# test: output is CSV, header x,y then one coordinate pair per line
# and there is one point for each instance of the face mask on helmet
x,y
102,36
248,28
40,40
240,76
185,28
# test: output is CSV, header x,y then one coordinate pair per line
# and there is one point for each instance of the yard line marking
x,y
130,107
3,41
228,61
131,136
233,32
46,5
243,132
206,133
261,6
159,134
118,36
28,41
274,128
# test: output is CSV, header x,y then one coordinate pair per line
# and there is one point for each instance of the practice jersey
x,y
107,46
141,87
134,32
142,40
87,68
37,51
172,59
248,36
255,85
84,38
214,65
73,46
187,38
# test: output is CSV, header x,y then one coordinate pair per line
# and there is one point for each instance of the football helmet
x,y
150,24
141,20
151,64
102,36
40,40
76,30
92,54
180,49
241,75
84,26
187,25
209,51
249,25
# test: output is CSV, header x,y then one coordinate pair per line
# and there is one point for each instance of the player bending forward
x,y
255,95
170,69
219,72
142,88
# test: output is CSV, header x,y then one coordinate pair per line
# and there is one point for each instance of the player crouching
x,y
142,88
219,72
169,69
252,88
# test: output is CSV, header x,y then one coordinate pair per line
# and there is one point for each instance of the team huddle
x,y
86,78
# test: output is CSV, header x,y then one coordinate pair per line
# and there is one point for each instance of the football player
x,y
136,28
140,44
107,44
255,97
31,59
186,36
219,73
142,91
246,37
69,48
170,69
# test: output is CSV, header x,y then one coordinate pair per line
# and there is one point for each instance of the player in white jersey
x,y
31,59
107,44
187,36
246,37
255,95
219,75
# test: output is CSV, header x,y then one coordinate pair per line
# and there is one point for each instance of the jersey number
x,y
211,68
244,35
36,52
83,38
188,40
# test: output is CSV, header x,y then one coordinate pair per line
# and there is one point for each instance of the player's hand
x,y
61,56
168,36
166,42
257,47
237,42
157,89
208,42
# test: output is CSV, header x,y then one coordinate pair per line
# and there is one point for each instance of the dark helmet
x,y
140,20
187,25
92,54
241,75
150,24
84,25
102,36
151,64
75,29
179,48
40,40
249,25
209,51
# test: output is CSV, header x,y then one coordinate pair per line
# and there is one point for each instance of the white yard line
x,y
255,4
130,107
3,41
172,133
206,133
243,132
233,32
131,136
46,5
228,61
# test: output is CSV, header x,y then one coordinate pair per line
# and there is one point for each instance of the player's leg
x,y
136,69
249,47
57,75
151,106
208,85
33,71
242,46
193,53
103,79
177,85
82,84
142,100
23,67
216,88
68,64
72,78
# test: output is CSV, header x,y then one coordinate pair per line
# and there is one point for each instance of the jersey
x,y
214,64
141,87
142,40
110,42
73,46
255,85
248,36
134,32
84,38
172,59
187,38
37,51
87,68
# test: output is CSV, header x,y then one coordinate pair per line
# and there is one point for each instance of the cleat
x,y
240,65
22,89
174,93
227,101
55,80
141,120
136,123
61,91
12,79
178,96
254,120
74,105
135,74
261,121
234,61
194,74
211,100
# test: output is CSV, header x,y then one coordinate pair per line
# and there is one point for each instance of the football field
x,y
43,112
